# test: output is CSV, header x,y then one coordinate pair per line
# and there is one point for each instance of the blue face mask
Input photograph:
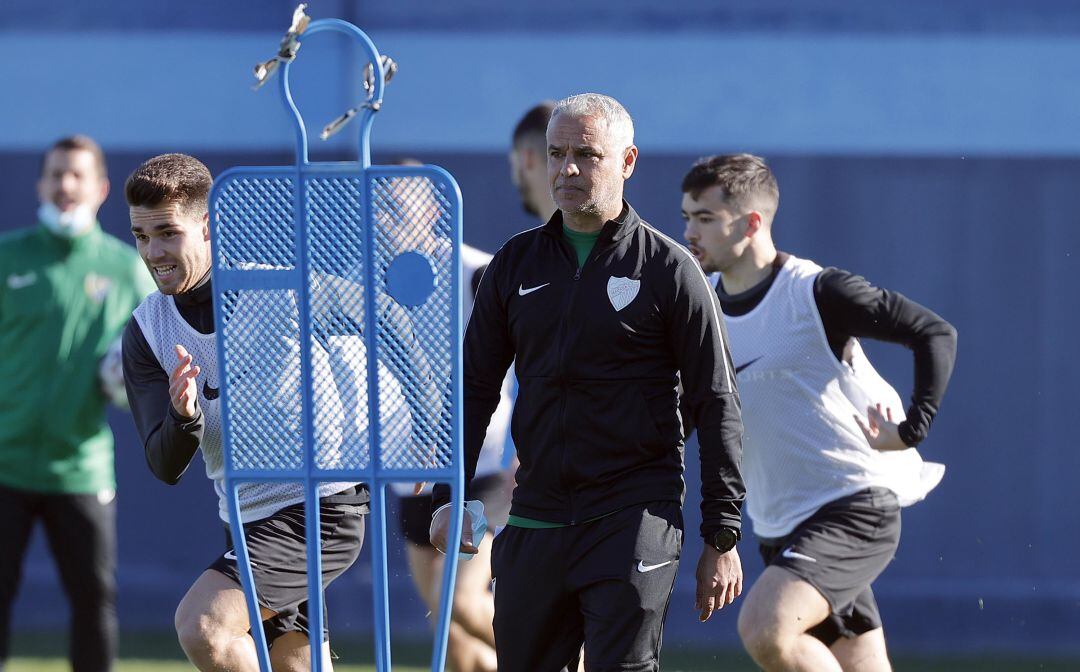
x,y
70,224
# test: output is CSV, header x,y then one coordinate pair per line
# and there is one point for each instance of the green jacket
x,y
62,303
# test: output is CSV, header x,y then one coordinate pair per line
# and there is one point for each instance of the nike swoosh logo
x,y
522,291
231,555
738,369
795,555
643,568
210,393
20,281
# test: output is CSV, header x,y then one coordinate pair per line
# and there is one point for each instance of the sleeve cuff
x,y
183,423
908,434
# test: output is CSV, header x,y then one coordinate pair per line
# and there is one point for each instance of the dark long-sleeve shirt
x,y
850,307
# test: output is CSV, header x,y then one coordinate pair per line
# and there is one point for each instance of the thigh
x,y
863,653
81,531
538,623
781,605
16,523
626,577
218,602
292,653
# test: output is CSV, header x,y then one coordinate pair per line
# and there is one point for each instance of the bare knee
x,y
207,622
764,644
196,633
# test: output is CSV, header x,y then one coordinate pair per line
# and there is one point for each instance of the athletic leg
x,y
81,531
773,623
863,653
624,568
15,525
538,622
465,651
291,652
212,625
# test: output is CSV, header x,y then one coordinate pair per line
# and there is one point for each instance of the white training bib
x,y
801,445
270,377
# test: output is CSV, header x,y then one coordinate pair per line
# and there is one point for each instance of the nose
x,y
569,167
68,182
689,233
153,249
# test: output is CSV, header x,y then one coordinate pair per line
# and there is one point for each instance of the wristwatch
x,y
724,539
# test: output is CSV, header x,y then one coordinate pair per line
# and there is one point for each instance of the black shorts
x,y
840,551
277,549
414,512
606,583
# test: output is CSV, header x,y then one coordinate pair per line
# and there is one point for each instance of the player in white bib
x,y
170,369
829,451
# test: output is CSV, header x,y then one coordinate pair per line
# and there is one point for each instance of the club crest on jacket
x,y
621,291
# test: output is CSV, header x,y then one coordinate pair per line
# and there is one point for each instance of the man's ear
x,y
754,222
206,226
629,161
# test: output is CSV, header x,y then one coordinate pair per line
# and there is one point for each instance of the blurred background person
x,y
66,291
471,643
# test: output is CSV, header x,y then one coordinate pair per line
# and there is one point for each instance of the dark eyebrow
x,y
701,211
157,227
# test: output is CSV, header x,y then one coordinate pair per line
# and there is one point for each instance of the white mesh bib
x,y
341,409
801,446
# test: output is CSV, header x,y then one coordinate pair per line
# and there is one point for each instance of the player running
x,y
829,451
170,367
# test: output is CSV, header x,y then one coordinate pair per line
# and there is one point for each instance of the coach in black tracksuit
x,y
603,314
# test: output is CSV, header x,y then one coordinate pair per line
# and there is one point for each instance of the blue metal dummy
x,y
338,322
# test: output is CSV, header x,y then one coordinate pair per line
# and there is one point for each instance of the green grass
x,y
160,653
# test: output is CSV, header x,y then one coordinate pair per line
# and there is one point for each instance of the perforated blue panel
x,y
412,211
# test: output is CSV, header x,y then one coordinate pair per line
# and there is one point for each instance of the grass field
x,y
160,653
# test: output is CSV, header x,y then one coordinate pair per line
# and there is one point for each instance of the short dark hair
x,y
742,177
535,122
73,143
170,178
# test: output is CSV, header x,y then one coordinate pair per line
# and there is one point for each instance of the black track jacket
x,y
599,352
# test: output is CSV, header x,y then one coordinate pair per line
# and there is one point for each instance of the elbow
x,y
949,334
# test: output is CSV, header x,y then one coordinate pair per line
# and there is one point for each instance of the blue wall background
x,y
933,149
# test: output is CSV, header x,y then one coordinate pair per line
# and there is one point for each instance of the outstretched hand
x,y
879,429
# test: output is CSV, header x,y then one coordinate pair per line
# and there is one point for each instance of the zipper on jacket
x,y
560,353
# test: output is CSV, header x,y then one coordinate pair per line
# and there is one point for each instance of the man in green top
x,y
66,291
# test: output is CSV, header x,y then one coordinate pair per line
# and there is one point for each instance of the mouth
x,y
164,272
696,251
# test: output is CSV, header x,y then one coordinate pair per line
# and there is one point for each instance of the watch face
x,y
724,540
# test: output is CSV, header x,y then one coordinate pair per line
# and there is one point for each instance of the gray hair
x,y
619,124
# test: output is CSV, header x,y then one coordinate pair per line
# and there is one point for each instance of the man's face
x,y
410,216
70,179
586,171
715,232
174,243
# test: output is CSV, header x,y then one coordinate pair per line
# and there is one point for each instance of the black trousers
x,y
606,584
81,532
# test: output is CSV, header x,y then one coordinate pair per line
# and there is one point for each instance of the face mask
x,y
70,224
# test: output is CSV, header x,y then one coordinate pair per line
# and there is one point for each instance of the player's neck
x,y
752,268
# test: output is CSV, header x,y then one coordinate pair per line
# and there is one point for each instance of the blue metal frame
x,y
297,279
